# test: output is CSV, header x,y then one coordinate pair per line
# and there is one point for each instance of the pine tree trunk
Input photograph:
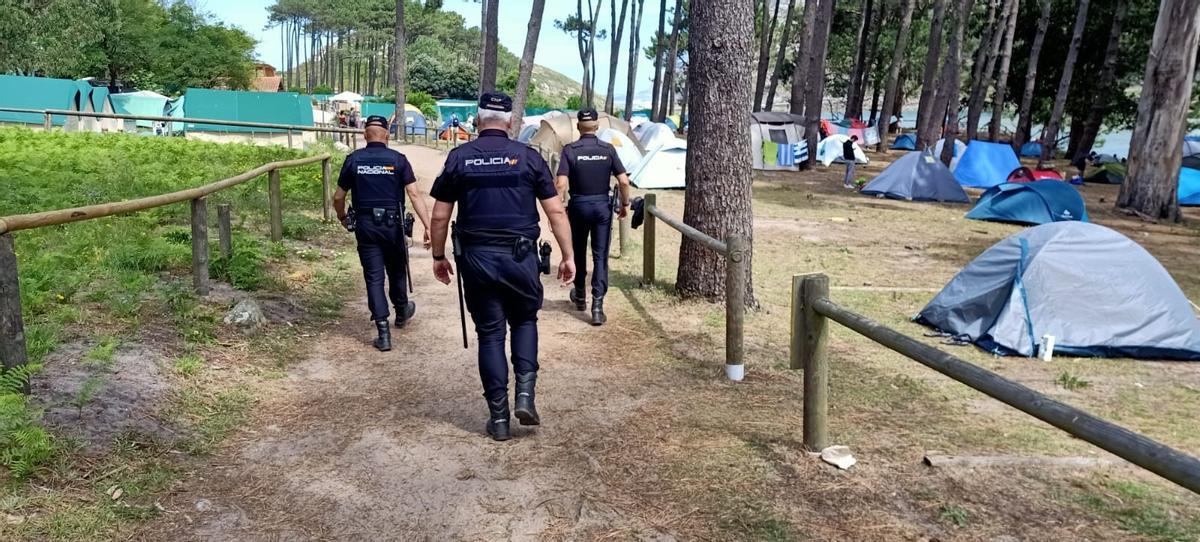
x,y
525,70
666,102
891,101
1103,91
400,65
764,54
1152,183
816,77
780,57
718,200
1025,113
1000,88
796,101
635,51
660,40
683,105
982,77
866,78
948,95
862,63
929,81
618,28
1050,134
487,76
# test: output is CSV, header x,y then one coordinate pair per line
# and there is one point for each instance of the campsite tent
x,y
1032,149
1189,186
1094,290
558,129
773,138
1191,146
142,103
654,134
627,150
526,133
268,107
905,142
446,132
414,122
985,164
1037,202
662,167
1111,173
40,93
465,109
829,150
960,149
1027,175
917,176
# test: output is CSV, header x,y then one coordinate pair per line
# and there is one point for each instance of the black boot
x,y
578,298
497,425
384,342
598,317
403,316
526,412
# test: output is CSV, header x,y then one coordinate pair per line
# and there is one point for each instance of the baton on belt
x,y
462,311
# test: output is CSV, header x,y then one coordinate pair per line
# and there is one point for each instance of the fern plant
x,y
24,445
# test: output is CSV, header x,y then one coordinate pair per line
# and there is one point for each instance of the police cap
x,y
377,120
588,114
495,101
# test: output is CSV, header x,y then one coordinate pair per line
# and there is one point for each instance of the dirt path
x,y
355,444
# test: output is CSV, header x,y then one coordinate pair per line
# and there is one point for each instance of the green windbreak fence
x,y
269,107
38,93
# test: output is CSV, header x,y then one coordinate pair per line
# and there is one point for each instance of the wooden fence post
x,y
200,246
224,232
289,132
735,305
810,333
48,122
648,243
274,193
623,233
326,190
12,326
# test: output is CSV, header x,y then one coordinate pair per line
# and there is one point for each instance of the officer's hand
x,y
425,241
442,271
623,212
566,272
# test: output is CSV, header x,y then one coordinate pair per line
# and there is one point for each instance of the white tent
x,y
656,134
346,96
959,149
829,150
627,151
662,167
1191,147
637,121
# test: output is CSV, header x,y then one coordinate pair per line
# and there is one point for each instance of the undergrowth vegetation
x,y
124,282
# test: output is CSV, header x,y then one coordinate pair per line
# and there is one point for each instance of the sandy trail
x,y
359,445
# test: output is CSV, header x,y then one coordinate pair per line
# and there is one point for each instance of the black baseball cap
x,y
495,101
588,114
377,120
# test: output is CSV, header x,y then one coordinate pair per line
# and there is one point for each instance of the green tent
x,y
37,93
266,107
142,103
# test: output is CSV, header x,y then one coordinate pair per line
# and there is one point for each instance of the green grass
x,y
1144,510
189,365
954,515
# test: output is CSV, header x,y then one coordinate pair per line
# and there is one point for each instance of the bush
x,y
24,446
244,269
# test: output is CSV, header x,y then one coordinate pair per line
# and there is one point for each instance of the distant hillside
x,y
557,87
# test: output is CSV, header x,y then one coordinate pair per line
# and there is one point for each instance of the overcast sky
x,y
556,50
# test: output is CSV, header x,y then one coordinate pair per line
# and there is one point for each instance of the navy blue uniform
x,y
589,164
496,184
375,177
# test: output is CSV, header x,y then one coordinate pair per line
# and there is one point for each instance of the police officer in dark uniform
x,y
584,171
497,184
377,179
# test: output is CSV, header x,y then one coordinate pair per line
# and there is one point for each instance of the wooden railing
x,y
12,328
811,308
734,249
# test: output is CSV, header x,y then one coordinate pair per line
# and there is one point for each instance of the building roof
x,y
266,83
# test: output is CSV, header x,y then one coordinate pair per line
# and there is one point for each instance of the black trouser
x,y
591,216
381,250
502,288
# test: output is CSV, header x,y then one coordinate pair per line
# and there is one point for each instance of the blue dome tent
x,y
905,142
1037,202
985,164
1094,290
1189,186
1032,149
917,176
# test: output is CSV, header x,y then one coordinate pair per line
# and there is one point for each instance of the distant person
x,y
585,171
377,179
894,122
848,148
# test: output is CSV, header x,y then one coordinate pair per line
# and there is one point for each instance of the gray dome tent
x,y
917,176
1096,291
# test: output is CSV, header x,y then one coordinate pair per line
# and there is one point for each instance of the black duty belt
x,y
584,198
519,246
380,216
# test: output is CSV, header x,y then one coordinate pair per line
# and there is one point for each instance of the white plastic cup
x,y
735,372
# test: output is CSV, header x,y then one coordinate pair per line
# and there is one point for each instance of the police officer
x,y
377,179
584,171
497,184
